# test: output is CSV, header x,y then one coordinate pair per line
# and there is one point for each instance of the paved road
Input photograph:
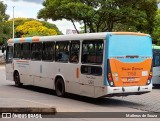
x,y
148,102
31,95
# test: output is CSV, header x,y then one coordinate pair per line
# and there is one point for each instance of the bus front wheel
x,y
60,87
17,80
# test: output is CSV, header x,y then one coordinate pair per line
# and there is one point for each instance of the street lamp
x,y
13,22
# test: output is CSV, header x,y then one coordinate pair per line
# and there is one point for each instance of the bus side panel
x,y
36,72
72,78
47,70
23,68
50,70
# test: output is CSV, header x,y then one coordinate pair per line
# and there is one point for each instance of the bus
x,y
91,64
156,66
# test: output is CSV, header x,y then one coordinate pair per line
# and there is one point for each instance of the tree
x,y
102,15
34,28
5,29
51,26
156,30
21,21
150,9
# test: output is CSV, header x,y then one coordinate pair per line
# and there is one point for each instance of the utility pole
x,y
13,22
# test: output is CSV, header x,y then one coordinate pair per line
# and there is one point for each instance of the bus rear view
x,y
129,59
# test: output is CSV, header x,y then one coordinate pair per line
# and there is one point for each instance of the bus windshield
x,y
129,45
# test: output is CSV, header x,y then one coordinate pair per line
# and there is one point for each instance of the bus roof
x,y
100,35
155,47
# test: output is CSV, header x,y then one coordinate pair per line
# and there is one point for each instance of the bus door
x,y
35,63
9,59
156,67
91,68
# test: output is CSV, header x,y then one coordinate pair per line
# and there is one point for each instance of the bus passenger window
x,y
48,51
36,51
62,51
74,52
26,51
92,51
17,50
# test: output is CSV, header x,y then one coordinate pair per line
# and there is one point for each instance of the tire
x,y
60,87
17,80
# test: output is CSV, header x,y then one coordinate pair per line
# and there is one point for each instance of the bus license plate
x,y
130,79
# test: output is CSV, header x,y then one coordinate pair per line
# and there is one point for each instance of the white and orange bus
x,y
92,64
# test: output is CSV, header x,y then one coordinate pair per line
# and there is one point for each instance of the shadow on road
x,y
105,101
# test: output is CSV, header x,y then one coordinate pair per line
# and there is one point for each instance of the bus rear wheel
x,y
60,87
17,80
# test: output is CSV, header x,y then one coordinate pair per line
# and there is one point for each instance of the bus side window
x,y
48,51
62,51
25,50
36,51
17,50
74,51
92,51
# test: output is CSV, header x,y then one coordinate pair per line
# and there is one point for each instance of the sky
x,y
30,8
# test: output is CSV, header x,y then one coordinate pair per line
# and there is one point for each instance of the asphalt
x,y
18,105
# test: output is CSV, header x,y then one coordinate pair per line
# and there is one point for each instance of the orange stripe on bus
x,y
129,33
35,39
77,72
22,40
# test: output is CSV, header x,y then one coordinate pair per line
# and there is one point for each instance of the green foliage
x,y
103,15
51,26
150,9
5,29
31,27
156,30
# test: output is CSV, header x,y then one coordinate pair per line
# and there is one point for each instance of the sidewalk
x,y
20,106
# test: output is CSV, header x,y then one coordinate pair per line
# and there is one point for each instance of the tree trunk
x,y
85,26
75,26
